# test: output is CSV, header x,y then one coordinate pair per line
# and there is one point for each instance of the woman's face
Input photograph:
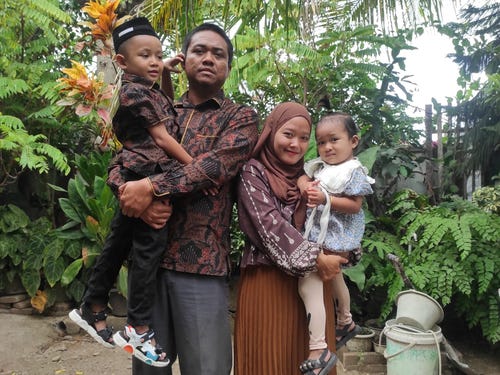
x,y
292,140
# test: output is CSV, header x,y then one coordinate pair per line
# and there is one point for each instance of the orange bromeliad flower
x,y
103,11
78,83
88,94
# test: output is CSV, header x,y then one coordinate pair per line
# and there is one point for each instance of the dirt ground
x,y
33,345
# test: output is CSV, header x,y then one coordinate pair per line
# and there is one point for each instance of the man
x,y
191,308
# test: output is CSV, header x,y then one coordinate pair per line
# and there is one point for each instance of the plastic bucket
x,y
410,351
418,310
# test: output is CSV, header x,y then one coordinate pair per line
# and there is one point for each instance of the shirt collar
x,y
132,78
217,100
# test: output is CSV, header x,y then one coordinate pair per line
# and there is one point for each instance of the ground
x,y
33,345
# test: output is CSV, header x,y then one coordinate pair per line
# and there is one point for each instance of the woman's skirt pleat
x,y
271,326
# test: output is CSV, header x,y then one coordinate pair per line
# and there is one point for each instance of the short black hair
x,y
209,27
344,118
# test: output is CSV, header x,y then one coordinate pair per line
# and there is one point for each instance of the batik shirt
x,y
267,224
220,135
142,106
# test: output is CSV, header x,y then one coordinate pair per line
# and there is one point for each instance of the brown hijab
x,y
282,177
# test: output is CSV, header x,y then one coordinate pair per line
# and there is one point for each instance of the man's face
x,y
206,61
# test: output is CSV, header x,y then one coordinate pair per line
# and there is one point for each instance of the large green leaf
x,y
31,280
71,271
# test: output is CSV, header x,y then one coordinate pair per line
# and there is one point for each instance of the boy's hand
x,y
171,63
211,191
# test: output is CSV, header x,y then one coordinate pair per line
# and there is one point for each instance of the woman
x,y
271,325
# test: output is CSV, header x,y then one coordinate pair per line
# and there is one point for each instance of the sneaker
x,y
141,346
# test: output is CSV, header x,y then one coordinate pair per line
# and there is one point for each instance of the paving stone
x,y
14,298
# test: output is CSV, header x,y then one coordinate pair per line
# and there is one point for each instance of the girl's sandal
x,y
86,320
324,365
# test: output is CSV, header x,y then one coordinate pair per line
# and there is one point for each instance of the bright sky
x,y
434,74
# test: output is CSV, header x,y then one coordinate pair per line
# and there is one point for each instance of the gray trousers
x,y
191,322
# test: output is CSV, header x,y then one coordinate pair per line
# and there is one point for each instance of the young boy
x,y
145,124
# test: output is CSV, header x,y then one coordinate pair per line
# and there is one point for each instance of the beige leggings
x,y
311,292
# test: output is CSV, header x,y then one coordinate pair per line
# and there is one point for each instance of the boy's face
x,y
142,55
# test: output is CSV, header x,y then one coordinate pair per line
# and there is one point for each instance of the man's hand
x,y
135,197
157,213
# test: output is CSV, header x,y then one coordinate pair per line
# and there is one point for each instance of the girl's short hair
x,y
342,117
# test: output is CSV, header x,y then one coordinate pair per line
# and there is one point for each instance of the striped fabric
x,y
271,326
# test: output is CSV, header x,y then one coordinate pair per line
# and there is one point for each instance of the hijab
x,y
282,177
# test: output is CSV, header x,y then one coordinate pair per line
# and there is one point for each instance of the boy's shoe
x,y
141,347
86,320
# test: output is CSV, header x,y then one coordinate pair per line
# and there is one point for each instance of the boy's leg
x,y
147,249
108,264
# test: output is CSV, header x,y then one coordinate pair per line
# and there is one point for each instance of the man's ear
x,y
121,61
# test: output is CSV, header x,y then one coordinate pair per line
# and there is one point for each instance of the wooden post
x,y
429,169
440,156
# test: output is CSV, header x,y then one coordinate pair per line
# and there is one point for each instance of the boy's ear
x,y
121,61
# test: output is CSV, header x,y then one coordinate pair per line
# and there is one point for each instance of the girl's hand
x,y
315,196
171,63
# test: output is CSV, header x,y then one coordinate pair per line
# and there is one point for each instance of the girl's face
x,y
334,144
292,140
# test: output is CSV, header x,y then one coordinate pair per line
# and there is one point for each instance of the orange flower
x,y
103,12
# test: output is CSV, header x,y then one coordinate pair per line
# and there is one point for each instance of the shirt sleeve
x,y
149,107
267,229
219,165
358,184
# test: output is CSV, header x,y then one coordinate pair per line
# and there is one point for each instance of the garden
x,y
436,205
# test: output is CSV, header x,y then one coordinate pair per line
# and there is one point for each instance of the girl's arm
x,y
346,204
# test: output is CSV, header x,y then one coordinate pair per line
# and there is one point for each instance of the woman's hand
x,y
135,197
157,213
329,265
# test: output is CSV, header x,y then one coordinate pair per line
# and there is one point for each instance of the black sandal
x,y
309,365
345,335
86,320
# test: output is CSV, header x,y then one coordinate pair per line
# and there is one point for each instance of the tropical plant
x,y
448,252
89,206
20,151
472,144
30,251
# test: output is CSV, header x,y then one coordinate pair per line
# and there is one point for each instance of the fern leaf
x,y
11,86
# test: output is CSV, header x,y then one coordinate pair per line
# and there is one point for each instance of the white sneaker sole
x,y
129,348
75,316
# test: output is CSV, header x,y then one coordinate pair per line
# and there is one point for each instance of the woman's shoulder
x,y
253,164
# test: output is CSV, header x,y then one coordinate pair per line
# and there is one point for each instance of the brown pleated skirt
x,y
271,335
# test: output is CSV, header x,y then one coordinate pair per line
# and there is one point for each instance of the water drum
x,y
410,351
